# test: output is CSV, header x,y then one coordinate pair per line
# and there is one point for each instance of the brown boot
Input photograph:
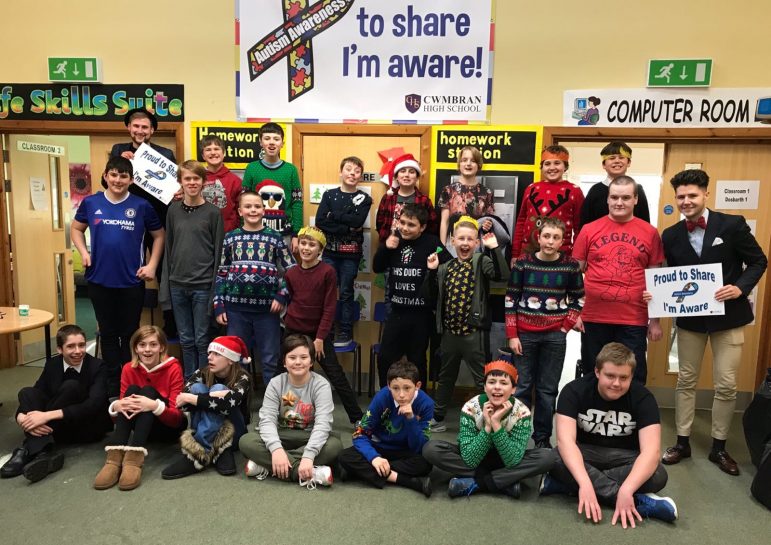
x,y
131,476
110,473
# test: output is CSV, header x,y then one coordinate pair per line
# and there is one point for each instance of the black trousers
x,y
336,376
608,468
406,333
69,393
145,426
403,462
118,311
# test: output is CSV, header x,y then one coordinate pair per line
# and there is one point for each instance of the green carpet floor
x,y
207,508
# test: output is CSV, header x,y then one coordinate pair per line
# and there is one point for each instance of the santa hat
x,y
405,161
232,347
273,185
503,366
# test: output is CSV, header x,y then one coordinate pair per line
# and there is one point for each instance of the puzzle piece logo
x,y
293,41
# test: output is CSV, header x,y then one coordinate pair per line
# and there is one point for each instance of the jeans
x,y
261,330
540,367
206,424
191,312
597,335
117,311
346,269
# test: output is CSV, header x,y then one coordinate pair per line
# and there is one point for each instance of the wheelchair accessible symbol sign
x,y
293,41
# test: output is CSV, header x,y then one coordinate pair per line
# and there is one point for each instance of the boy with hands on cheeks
x,y
494,430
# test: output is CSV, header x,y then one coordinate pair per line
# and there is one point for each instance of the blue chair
x,y
374,351
353,347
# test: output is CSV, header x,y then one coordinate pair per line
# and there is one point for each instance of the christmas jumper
x,y
193,247
220,405
308,407
248,278
341,216
561,200
312,299
543,296
510,441
166,378
616,256
487,267
222,189
117,235
406,266
390,208
382,425
285,174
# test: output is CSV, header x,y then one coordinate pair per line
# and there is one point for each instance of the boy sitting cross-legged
x,y
494,430
387,444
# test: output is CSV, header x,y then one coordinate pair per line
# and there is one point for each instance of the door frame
x,y
175,129
759,135
301,130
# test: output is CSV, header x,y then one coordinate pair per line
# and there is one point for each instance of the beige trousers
x,y
726,357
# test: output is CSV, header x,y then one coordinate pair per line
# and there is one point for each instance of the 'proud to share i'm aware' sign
x,y
684,291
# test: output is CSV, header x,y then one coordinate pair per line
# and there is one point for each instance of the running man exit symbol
x,y
679,72
67,69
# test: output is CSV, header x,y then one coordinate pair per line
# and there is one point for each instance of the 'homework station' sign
x,y
155,174
684,291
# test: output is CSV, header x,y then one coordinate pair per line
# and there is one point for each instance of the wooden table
x,y
11,322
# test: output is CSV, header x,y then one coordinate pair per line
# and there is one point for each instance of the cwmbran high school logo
x,y
412,102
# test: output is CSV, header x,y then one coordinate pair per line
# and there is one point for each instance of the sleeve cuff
x,y
111,409
158,411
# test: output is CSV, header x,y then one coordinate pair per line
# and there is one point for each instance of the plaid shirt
x,y
387,210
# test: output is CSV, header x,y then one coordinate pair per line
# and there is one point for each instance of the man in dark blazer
x,y
706,236
68,403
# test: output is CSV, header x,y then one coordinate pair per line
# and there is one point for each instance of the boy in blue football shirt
x,y
115,265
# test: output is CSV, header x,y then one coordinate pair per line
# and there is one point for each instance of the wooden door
x,y
722,161
42,254
320,164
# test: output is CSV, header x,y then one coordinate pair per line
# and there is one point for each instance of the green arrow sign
x,y
679,72
74,69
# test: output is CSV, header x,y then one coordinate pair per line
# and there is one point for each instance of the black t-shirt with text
x,y
613,424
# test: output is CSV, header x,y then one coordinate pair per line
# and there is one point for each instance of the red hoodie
x,y
222,189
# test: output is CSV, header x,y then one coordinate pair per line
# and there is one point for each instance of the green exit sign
x,y
74,69
679,72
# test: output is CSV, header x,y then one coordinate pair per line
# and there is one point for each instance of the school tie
x,y
71,374
691,225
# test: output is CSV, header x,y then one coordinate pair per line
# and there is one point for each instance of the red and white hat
x,y
232,347
405,161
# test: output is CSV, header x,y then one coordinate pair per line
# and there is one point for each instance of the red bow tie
x,y
691,225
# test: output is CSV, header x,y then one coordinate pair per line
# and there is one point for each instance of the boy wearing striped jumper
x,y
494,430
543,302
249,292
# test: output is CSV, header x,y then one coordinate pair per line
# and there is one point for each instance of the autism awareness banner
x,y
376,61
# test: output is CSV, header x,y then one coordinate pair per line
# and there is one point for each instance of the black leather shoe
x,y
15,466
43,465
673,455
724,462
